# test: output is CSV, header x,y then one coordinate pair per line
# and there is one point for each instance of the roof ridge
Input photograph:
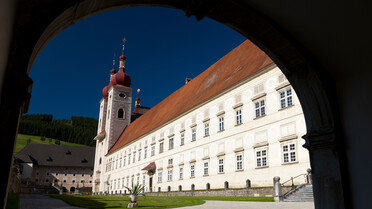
x,y
240,63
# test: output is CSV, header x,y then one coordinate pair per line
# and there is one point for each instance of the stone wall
x,y
251,192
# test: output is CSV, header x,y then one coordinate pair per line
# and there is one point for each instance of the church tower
x,y
119,100
115,107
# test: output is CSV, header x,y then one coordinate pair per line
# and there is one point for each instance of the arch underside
x,y
300,69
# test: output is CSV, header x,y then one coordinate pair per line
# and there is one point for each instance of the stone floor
x,y
33,201
44,202
252,205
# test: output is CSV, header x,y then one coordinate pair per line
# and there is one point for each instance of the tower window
x,y
122,95
121,113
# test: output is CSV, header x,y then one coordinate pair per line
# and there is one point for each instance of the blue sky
x,y
163,47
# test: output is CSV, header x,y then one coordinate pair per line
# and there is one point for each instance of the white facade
x,y
112,122
250,131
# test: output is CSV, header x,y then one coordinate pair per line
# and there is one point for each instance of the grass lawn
x,y
22,142
12,201
98,202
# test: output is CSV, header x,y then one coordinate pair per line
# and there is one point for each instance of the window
x,y
259,88
289,153
239,162
139,155
261,158
161,147
281,78
220,165
193,134
171,143
134,157
260,108
181,173
286,98
128,159
182,138
153,150
170,161
206,168
206,129
238,116
145,154
192,169
125,159
121,113
160,176
170,175
221,124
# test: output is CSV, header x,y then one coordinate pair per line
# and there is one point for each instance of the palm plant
x,y
134,192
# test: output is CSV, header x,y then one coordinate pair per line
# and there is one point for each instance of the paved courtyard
x,y
43,202
33,201
252,205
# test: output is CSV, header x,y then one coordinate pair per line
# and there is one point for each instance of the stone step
x,y
304,194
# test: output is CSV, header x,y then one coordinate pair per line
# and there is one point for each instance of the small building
x,y
63,168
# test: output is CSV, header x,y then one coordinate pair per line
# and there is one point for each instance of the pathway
x,y
251,205
34,201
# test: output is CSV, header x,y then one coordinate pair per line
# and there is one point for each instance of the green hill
x,y
23,140
79,130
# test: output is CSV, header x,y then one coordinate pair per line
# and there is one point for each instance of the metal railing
x,y
292,178
308,180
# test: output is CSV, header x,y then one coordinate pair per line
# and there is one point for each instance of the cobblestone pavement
x,y
251,205
33,201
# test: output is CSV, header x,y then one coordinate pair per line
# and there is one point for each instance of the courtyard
x,y
98,202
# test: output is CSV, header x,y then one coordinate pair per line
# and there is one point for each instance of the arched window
x,y
121,113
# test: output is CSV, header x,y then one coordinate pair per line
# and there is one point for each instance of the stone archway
x,y
329,190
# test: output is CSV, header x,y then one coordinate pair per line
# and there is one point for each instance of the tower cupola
x,y
122,78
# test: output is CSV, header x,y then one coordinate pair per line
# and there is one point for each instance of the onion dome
x,y
104,91
121,78
113,71
123,57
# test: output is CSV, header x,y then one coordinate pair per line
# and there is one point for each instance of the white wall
x,y
234,137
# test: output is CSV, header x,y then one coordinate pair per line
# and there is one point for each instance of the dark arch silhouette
x,y
296,64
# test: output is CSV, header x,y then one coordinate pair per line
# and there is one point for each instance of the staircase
x,y
302,193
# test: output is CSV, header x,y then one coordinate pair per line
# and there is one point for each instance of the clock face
x,y
122,95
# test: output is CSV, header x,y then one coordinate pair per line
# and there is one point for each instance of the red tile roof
x,y
239,64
